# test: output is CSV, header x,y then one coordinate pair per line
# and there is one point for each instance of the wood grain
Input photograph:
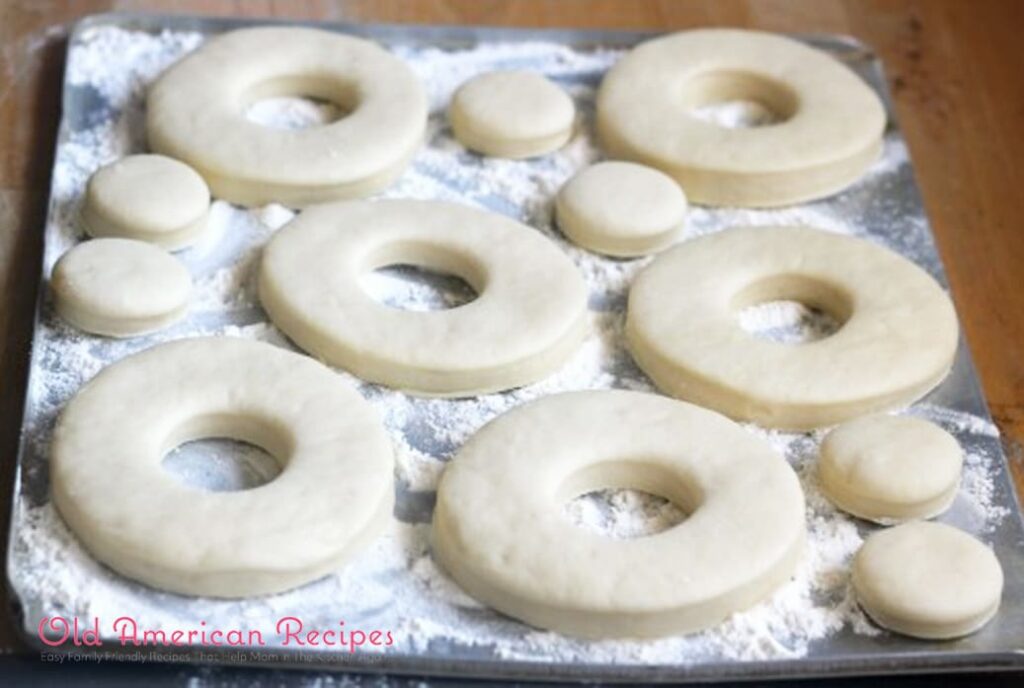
x,y
955,68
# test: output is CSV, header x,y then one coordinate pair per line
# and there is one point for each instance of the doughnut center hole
x,y
791,310
293,112
223,454
623,514
738,100
421,277
627,500
292,103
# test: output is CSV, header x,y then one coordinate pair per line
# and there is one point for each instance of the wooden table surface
x,y
956,69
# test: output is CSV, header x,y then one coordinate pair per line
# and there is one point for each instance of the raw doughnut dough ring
x,y
512,114
147,197
742,539
890,469
897,341
334,494
832,130
196,113
927,580
621,209
529,317
120,287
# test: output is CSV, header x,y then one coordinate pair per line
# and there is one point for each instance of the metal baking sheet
x,y
999,646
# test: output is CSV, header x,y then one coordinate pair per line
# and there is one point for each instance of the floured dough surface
x,y
195,112
334,494
927,580
890,468
830,130
898,337
529,317
512,114
621,209
147,197
120,287
743,536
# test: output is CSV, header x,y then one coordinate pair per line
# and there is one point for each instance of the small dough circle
x,y
890,469
832,128
196,112
621,209
927,580
334,494
897,341
529,317
120,287
147,197
511,114
742,539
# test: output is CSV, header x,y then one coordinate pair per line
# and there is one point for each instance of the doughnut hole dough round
x,y
897,341
120,287
927,580
621,209
743,538
196,112
529,317
890,469
334,494
147,197
831,130
512,114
